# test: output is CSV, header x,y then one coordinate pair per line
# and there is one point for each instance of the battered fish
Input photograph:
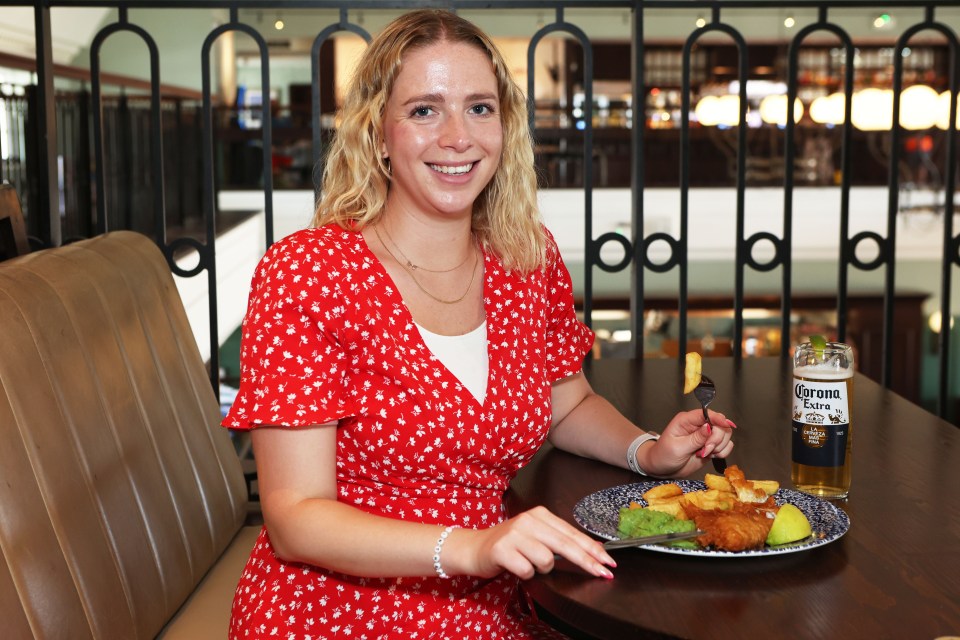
x,y
743,527
744,489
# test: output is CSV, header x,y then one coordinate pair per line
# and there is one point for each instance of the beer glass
x,y
822,398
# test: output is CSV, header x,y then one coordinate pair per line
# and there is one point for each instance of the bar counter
x,y
894,574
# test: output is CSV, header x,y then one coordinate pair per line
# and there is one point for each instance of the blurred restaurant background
x,y
709,185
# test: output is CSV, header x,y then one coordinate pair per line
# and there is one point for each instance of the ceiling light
x,y
935,322
883,21
789,22
278,25
828,109
701,22
714,111
773,110
872,109
918,108
943,111
706,111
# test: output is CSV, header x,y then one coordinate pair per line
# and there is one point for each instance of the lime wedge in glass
x,y
819,343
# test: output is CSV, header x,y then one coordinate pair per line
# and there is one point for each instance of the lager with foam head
x,y
822,399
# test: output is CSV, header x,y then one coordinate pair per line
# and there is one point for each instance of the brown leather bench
x,y
13,229
122,501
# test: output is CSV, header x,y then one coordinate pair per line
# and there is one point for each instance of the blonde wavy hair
x,y
356,178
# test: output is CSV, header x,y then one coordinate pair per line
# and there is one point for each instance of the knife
x,y
623,543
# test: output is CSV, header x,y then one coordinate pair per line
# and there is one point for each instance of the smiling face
x,y
442,129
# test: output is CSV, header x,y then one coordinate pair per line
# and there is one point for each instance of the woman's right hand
x,y
524,545
308,524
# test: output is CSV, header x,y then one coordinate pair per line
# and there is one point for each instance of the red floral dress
x,y
328,337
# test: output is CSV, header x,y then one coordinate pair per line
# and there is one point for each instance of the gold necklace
x,y
410,265
410,269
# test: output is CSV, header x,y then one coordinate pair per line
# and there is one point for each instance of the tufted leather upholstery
x,y
120,496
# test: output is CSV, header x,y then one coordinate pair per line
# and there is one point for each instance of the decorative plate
x,y
599,513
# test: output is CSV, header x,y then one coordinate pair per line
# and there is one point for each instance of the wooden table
x,y
895,574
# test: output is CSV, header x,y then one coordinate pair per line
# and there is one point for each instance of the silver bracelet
x,y
436,553
632,451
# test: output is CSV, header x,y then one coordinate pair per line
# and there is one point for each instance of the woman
x,y
406,355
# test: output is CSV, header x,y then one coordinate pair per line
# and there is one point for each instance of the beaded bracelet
x,y
632,451
436,553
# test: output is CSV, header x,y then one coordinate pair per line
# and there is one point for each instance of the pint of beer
x,y
822,397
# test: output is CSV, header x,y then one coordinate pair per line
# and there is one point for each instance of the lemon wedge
x,y
789,525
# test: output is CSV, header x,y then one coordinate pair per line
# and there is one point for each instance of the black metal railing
x,y
115,189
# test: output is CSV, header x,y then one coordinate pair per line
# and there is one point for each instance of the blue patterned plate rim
x,y
599,513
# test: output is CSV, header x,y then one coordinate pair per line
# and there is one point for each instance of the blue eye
x,y
421,111
481,109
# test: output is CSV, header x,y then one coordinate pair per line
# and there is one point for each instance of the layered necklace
x,y
412,268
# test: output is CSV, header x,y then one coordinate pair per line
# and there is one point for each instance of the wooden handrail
x,y
12,61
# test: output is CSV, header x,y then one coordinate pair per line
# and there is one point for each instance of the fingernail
x,y
604,572
732,426
709,429
702,453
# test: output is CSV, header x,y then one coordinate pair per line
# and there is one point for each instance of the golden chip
x,y
714,481
662,491
692,371
769,487
673,507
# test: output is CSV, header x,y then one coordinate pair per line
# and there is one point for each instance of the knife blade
x,y
624,543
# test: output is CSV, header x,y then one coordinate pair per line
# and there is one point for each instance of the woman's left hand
x,y
689,441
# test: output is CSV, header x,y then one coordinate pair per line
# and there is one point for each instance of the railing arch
x,y
207,252
591,246
742,72
822,24
159,205
343,25
949,257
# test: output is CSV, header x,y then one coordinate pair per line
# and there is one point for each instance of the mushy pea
x,y
635,523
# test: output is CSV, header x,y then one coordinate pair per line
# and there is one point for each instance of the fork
x,y
705,392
